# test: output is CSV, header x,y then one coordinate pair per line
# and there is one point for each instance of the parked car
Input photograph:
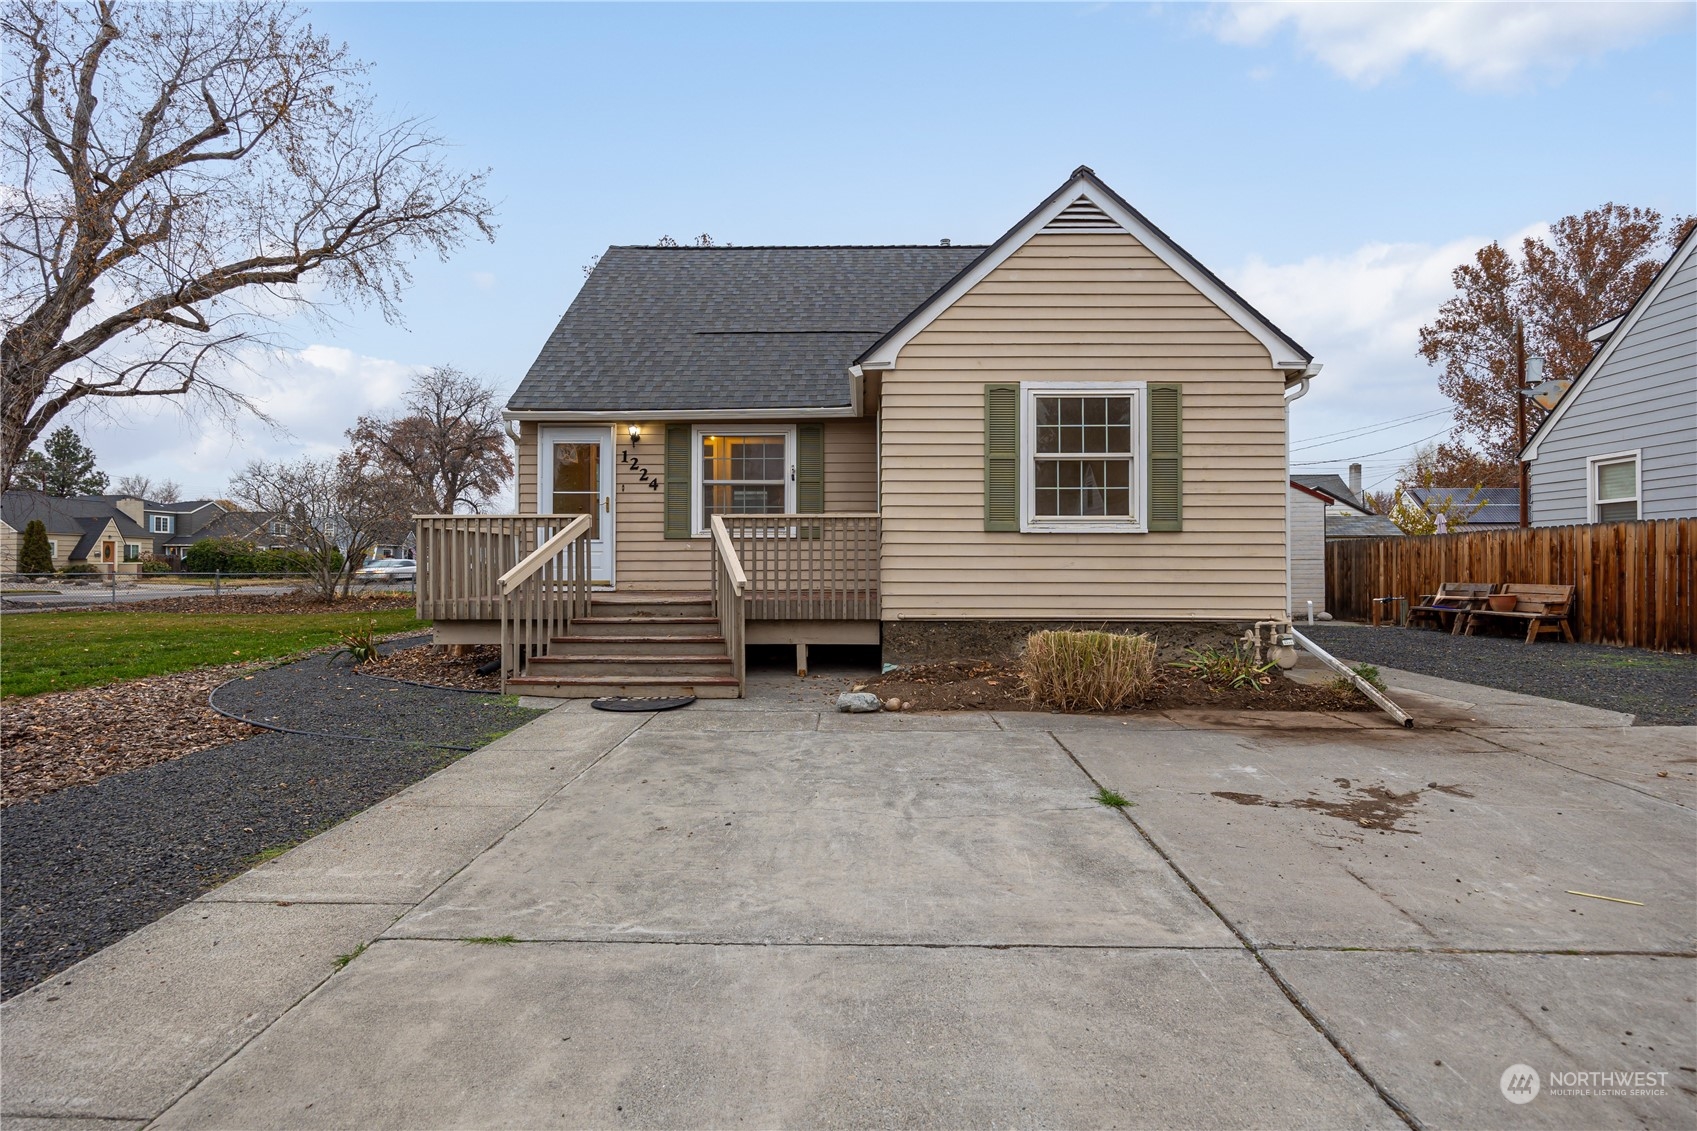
x,y
388,569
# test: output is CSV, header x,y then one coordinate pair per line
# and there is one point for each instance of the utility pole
x,y
1520,418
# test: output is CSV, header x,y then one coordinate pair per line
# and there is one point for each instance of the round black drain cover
x,y
626,703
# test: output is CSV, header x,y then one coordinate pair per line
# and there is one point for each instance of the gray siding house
x,y
1621,444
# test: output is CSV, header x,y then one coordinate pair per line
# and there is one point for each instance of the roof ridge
x,y
807,247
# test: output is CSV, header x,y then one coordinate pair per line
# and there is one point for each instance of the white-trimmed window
x,y
132,551
742,470
53,548
163,524
1082,453
1613,484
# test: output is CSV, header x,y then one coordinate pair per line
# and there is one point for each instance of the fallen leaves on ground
x,y
297,602
64,738
440,668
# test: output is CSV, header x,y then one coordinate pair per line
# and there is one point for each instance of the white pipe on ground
x,y
1362,685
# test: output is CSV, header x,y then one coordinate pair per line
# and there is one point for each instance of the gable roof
x,y
1361,526
659,329
1334,486
1085,203
1502,504
1618,332
65,516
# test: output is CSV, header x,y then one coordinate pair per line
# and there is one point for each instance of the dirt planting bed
x,y
440,668
990,685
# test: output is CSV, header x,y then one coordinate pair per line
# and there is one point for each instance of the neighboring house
x,y
1346,513
1078,424
85,528
1621,443
1500,509
1305,553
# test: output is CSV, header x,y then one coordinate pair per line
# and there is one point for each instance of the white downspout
x,y
1301,391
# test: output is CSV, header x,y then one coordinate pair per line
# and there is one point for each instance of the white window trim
x,y
698,482
136,546
1591,465
168,526
53,548
1029,523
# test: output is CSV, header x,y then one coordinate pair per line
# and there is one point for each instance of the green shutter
x,y
1166,457
810,469
1001,457
678,461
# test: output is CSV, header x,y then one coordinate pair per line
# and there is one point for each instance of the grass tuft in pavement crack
x,y
342,960
493,940
1113,800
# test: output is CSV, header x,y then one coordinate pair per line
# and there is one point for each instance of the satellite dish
x,y
1545,394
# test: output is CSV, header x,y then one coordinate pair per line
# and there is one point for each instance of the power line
x,y
1380,452
1351,433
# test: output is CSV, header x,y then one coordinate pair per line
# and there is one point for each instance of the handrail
x,y
730,604
728,553
538,557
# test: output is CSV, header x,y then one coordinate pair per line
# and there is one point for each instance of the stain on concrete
x,y
1371,807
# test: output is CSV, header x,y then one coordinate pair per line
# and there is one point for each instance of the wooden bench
x,y
1453,599
1544,608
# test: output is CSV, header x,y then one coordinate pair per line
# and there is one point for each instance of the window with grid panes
x,y
1081,457
743,474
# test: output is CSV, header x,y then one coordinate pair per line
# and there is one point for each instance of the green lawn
x,y
58,651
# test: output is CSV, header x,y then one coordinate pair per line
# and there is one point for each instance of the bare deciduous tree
x,y
1588,271
143,487
180,170
449,445
332,512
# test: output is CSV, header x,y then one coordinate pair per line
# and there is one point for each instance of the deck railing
x,y
730,586
541,594
461,558
807,566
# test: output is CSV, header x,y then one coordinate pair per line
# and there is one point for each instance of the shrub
x,y
151,564
79,568
361,644
1089,671
34,556
1229,667
228,555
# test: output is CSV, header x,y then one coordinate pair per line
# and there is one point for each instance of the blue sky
x,y
1333,162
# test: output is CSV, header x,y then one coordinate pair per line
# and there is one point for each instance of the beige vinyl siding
x,y
645,558
1083,307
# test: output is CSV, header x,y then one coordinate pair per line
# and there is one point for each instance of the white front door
x,y
575,476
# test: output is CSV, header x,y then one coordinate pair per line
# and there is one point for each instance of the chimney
x,y
1355,479
945,243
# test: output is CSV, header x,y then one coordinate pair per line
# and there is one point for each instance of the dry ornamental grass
x,y
1089,671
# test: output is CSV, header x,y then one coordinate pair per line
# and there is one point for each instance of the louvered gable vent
x,y
1082,215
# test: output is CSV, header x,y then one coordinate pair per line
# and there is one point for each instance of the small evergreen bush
x,y
34,555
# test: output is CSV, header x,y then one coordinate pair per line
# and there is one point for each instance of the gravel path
x,y
1658,687
87,865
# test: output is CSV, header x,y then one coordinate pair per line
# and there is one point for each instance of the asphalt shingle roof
x,y
1332,485
680,329
1502,504
1360,526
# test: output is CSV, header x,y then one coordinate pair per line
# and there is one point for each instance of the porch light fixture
x,y
635,433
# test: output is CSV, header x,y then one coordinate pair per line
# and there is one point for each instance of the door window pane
x,y
577,482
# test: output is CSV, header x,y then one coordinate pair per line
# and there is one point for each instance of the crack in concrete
x,y
1249,944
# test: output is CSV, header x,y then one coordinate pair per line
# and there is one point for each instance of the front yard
x,y
59,651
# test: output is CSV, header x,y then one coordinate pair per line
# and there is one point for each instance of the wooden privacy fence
x,y
1635,583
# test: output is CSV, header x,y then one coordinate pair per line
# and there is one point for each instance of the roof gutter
x,y
640,414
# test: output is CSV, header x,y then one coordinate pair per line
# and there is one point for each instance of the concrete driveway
x,y
763,913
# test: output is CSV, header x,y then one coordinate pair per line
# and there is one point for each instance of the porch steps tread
x,y
590,638
651,598
553,660
594,687
594,620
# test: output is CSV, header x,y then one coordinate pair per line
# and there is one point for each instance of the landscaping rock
x,y
859,702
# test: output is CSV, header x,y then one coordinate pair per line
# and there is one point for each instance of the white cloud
x,y
314,394
1360,313
1487,45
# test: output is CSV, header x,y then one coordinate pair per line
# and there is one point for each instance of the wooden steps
x,y
637,644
